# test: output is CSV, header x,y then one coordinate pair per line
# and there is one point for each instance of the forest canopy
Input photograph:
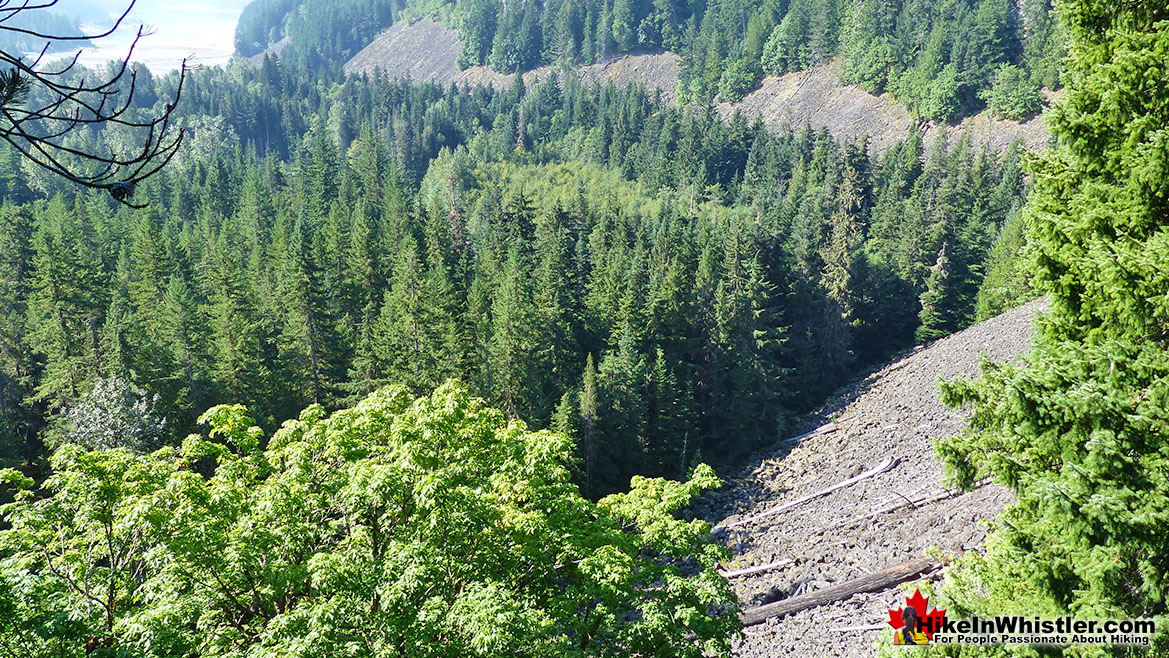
x,y
403,526
658,283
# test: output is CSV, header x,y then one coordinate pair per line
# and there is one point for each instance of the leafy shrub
x,y
114,414
930,94
1012,94
738,79
402,526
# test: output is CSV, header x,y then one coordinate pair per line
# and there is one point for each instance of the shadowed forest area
x,y
663,285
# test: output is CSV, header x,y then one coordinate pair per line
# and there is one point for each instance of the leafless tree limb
x,y
41,107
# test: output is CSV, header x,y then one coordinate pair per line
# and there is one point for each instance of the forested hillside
x,y
373,367
658,283
941,61
24,38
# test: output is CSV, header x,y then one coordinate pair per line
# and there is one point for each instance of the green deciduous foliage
x,y
1079,432
402,526
739,77
1012,95
113,414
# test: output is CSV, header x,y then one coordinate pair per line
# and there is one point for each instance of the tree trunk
x,y
873,582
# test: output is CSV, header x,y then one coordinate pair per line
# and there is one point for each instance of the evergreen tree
x,y
588,424
1078,432
938,315
788,47
366,371
720,275
866,46
670,414
1007,283
1046,42
67,301
241,363
823,31
557,312
402,340
307,341
16,362
184,330
477,32
513,333
621,406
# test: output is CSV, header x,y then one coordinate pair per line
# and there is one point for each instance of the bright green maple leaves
x,y
400,527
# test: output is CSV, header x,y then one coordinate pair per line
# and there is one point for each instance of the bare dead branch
x,y
10,12
45,112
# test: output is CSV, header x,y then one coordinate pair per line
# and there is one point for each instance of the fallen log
x,y
750,571
823,429
885,465
900,504
826,428
903,503
873,582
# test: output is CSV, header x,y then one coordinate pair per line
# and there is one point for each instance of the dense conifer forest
x,y
663,285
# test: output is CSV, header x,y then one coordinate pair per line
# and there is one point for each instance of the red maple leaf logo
x,y
931,621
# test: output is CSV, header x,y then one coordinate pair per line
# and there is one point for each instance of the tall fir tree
x,y
513,335
1079,431
67,303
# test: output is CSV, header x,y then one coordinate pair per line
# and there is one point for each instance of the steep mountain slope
x,y
875,523
819,98
425,51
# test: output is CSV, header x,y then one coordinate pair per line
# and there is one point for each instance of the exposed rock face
x,y
819,98
273,50
425,51
894,412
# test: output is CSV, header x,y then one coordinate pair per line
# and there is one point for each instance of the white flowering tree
x,y
114,414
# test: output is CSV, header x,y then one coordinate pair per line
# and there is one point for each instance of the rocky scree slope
x,y
876,523
817,97
425,51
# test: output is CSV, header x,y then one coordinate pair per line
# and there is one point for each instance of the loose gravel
x,y
894,412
